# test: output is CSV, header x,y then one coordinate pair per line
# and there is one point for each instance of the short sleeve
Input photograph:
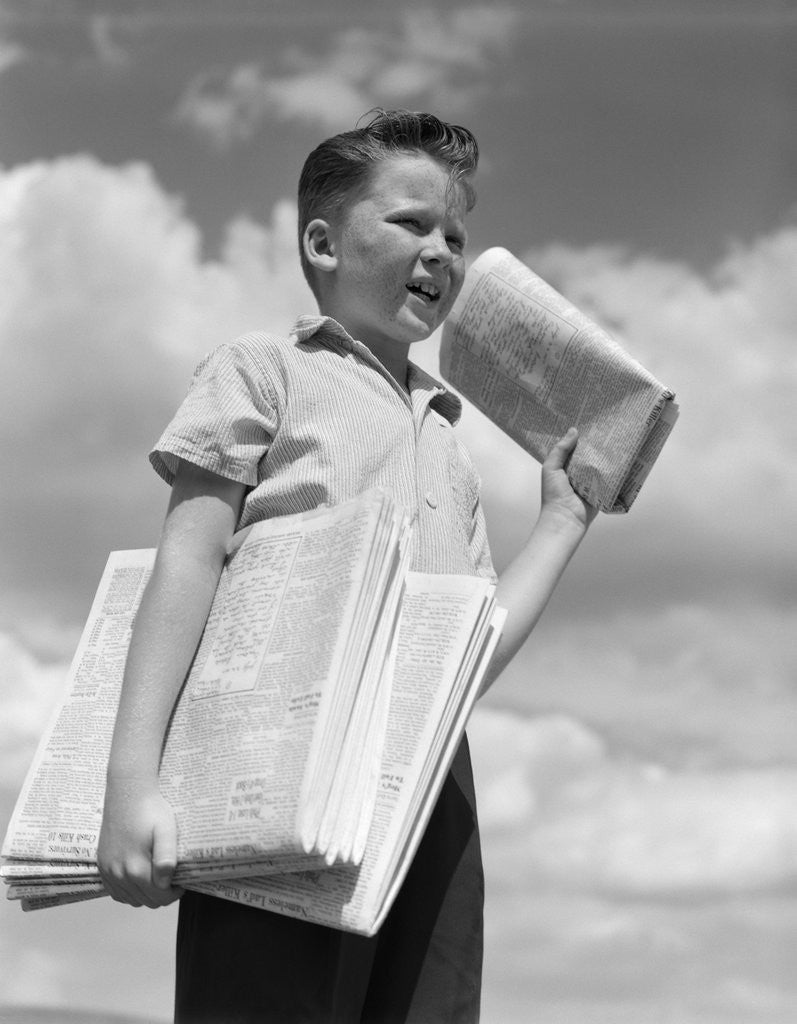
x,y
226,422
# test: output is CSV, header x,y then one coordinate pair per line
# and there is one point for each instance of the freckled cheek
x,y
373,275
382,295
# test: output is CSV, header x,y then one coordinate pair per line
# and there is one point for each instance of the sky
x,y
636,764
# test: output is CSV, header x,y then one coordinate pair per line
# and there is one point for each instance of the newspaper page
x,y
58,814
447,633
536,366
283,663
239,737
347,737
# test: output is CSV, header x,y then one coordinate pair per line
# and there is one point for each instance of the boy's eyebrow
x,y
409,203
420,206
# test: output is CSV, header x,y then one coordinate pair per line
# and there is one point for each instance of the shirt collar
x,y
308,324
443,401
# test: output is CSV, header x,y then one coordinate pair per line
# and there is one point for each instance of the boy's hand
x,y
558,497
137,851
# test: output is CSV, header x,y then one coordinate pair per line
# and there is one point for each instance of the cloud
x,y
559,808
571,959
723,341
616,887
108,307
445,59
700,685
40,975
229,108
94,961
10,55
29,689
105,38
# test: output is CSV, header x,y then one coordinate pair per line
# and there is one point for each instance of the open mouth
x,y
425,290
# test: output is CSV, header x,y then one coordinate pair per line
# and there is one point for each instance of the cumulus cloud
x,y
105,38
694,686
29,689
10,54
559,808
93,961
570,959
724,342
40,974
442,58
609,877
108,307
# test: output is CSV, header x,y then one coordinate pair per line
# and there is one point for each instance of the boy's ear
x,y
319,245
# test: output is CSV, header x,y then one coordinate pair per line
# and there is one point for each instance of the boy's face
x,y
399,249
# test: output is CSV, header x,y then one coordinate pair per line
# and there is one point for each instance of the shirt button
x,y
431,501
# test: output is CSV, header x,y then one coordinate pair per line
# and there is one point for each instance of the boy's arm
x,y
137,847
527,583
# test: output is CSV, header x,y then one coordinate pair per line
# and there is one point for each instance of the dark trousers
x,y
242,965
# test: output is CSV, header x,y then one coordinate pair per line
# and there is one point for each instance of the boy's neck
x,y
392,355
395,360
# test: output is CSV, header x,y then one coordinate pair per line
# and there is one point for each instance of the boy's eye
x,y
456,243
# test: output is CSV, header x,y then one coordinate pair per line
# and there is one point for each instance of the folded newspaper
x,y
323,708
536,365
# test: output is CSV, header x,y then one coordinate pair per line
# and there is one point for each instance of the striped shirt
x,y
316,419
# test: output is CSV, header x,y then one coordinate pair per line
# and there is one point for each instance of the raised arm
x,y
528,582
137,847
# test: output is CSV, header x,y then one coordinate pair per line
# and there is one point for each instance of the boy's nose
x,y
436,249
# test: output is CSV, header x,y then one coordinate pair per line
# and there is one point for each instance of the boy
x,y
276,426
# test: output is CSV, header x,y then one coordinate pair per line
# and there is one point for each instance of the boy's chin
x,y
416,328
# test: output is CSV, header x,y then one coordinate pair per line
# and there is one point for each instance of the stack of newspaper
x,y
323,708
536,366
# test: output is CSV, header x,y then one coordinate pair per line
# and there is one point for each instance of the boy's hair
x,y
339,168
